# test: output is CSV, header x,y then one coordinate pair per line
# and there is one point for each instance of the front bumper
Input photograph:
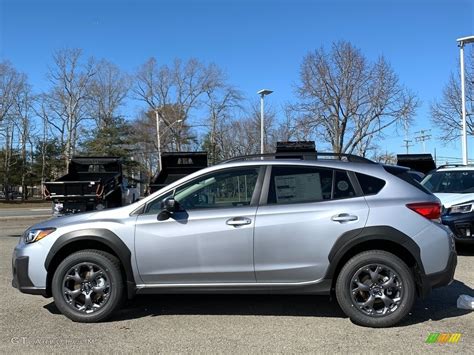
x,y
462,226
441,278
21,279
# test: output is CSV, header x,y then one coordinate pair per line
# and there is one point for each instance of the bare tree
x,y
25,127
385,158
107,92
11,82
291,128
222,101
66,101
12,85
144,131
446,112
175,91
348,101
144,138
241,136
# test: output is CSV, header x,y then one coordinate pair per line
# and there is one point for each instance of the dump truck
x,y
92,183
419,162
175,165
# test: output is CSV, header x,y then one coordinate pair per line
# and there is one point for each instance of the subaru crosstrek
x,y
365,231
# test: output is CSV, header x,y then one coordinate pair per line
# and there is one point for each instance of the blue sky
x,y
260,44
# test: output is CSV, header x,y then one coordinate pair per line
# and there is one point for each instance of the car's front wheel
x,y
87,286
375,289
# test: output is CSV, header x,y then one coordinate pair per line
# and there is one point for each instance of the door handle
x,y
344,217
238,221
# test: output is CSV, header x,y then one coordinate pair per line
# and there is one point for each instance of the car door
x,y
210,240
306,210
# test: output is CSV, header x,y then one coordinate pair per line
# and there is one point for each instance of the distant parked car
x,y
417,175
454,186
14,195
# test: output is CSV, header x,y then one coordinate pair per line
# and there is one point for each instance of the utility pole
x,y
159,133
461,42
407,144
262,94
158,137
423,136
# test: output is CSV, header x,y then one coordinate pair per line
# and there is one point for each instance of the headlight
x,y
33,235
466,208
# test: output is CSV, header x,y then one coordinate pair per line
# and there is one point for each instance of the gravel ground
x,y
227,323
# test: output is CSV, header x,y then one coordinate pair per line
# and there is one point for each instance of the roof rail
x,y
453,165
301,156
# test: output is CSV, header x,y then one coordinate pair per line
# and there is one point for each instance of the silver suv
x,y
367,232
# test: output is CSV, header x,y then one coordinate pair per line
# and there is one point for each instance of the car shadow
x,y
465,249
441,304
222,304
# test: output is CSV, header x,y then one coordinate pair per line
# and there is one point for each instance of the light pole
x,y
158,135
461,42
262,94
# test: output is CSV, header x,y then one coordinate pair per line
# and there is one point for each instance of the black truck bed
x,y
177,165
89,181
419,162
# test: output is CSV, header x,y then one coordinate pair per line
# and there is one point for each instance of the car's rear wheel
x,y
375,289
87,286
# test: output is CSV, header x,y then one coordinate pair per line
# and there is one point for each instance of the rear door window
x,y
342,185
300,184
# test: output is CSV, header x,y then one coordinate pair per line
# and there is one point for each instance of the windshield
x,y
458,181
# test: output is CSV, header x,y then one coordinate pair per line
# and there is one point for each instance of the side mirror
x,y
170,205
163,215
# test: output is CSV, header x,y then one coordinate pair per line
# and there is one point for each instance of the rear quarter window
x,y
370,185
402,173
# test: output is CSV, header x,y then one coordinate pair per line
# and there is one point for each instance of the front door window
x,y
231,188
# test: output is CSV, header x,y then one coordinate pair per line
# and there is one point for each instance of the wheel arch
x,y
100,239
376,238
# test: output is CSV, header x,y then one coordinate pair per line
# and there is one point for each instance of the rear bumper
x,y
441,278
21,279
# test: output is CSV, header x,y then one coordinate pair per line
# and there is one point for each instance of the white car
x,y
454,186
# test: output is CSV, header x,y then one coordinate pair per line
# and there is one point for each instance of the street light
x,y
461,42
262,94
158,135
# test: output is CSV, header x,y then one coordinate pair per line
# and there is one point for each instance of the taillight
x,y
430,210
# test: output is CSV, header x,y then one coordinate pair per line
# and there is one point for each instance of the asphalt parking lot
x,y
227,323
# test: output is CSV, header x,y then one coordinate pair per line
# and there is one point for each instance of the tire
x,y
385,291
87,286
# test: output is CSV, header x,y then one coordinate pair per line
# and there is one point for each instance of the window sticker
x,y
342,185
298,188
